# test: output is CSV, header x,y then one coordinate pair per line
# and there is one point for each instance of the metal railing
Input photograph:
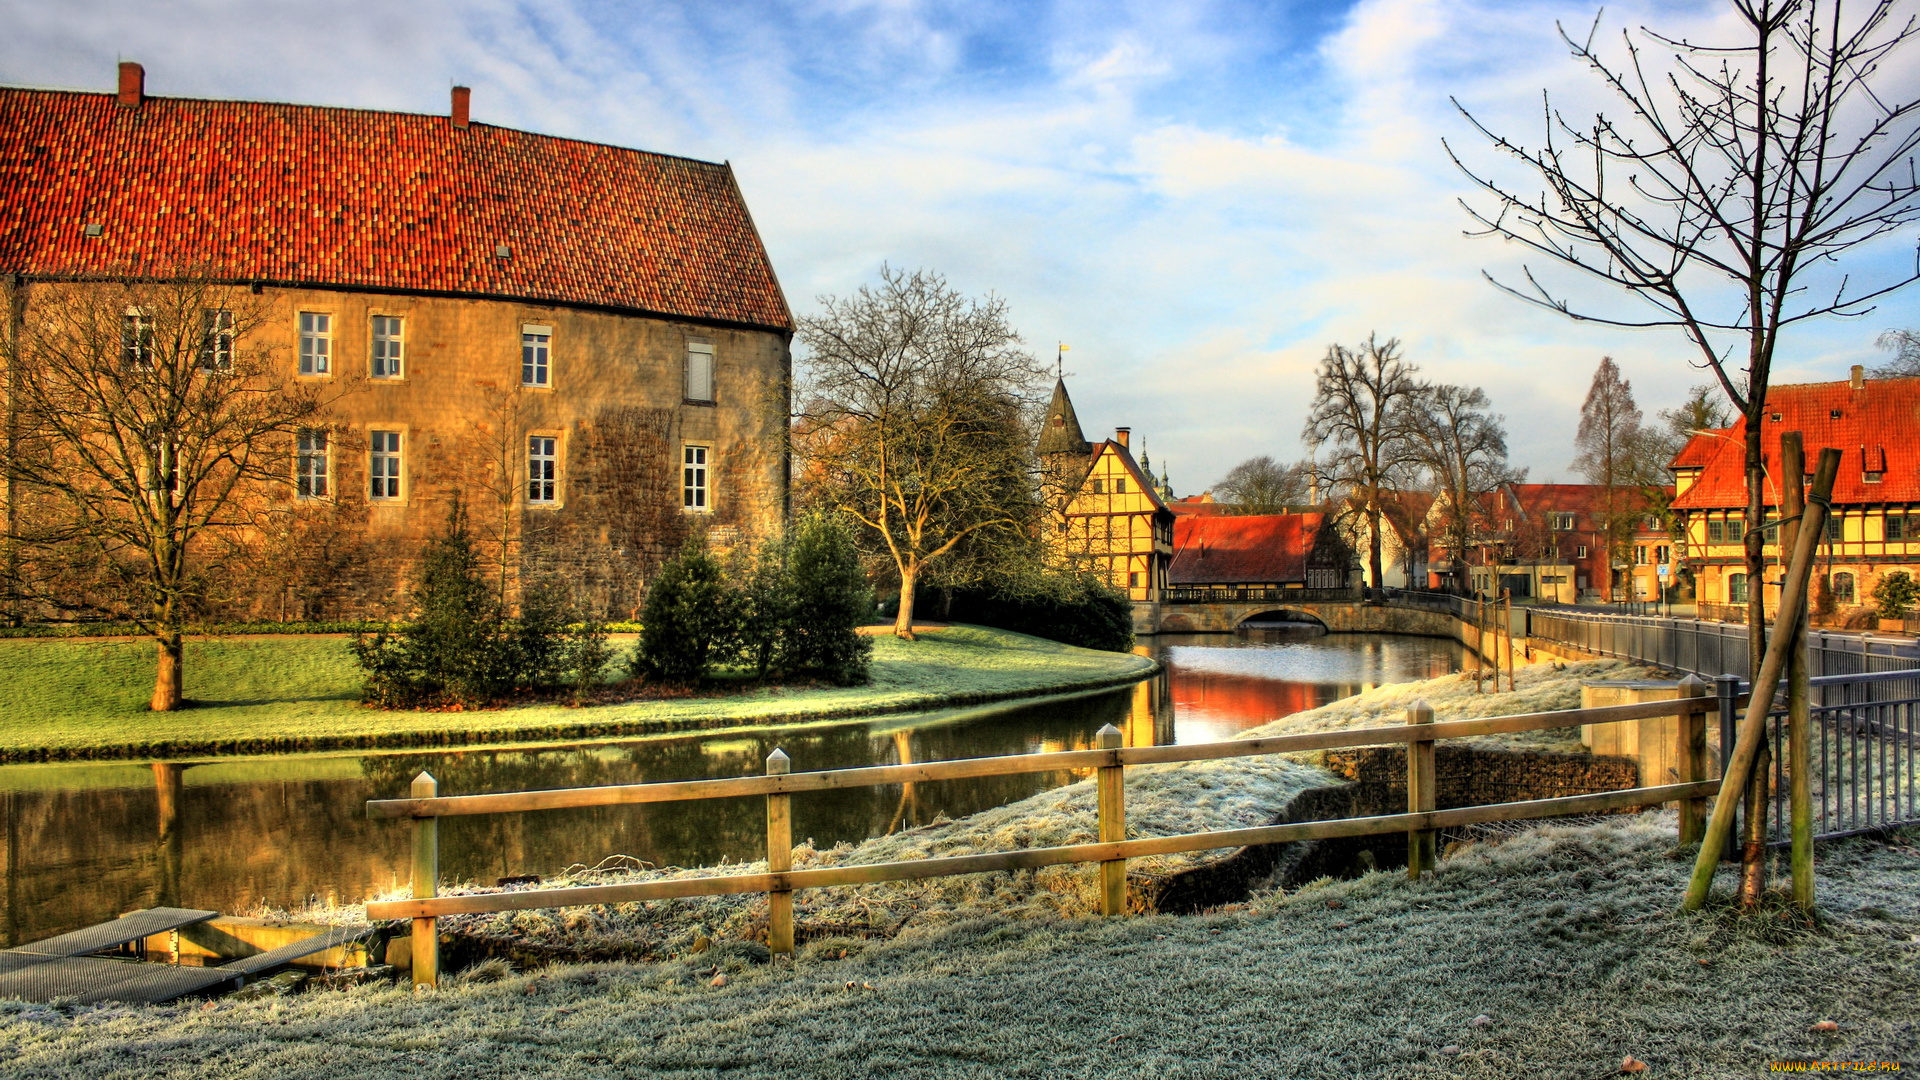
x,y
1257,595
1709,648
1864,760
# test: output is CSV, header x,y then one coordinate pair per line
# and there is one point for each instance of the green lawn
x,y
1555,954
67,699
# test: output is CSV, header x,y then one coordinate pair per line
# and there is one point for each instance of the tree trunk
x,y
1373,548
903,622
167,679
1755,547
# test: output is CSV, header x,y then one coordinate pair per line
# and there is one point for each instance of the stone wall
x,y
614,403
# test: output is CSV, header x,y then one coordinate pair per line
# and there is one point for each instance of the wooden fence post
x,y
1422,854
1112,784
426,882
1691,755
779,858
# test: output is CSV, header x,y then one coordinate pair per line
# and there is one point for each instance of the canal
x,y
84,843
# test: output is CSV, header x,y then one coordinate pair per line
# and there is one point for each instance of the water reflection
x,y
86,842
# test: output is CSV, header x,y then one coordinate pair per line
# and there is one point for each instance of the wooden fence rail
x,y
1112,852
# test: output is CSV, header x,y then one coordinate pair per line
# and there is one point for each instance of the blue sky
x,y
1198,197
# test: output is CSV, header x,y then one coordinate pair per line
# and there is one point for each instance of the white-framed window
x,y
699,372
216,340
389,345
1562,522
136,339
310,473
1639,554
543,469
384,464
1580,552
536,355
316,343
695,494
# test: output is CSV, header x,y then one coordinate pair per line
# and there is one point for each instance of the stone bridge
x,y
1338,616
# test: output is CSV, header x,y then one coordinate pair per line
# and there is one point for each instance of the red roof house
x,y
1257,550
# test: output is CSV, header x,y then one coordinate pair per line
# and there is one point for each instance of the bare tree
x,y
147,425
1608,451
1461,444
1360,413
1262,485
914,420
1905,347
1741,173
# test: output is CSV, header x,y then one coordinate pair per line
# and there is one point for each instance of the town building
x,y
1103,512
1540,541
1228,557
585,343
1875,522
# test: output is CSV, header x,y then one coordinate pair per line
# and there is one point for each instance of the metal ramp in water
x,y
61,967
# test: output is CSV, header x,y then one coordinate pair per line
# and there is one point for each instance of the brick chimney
x,y
461,98
1121,434
1858,380
133,85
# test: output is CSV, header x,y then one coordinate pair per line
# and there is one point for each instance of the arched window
x,y
1843,587
1736,588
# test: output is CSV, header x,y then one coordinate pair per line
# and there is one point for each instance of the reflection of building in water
x,y
1150,715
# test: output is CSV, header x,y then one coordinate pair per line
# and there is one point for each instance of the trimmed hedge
x,y
1075,609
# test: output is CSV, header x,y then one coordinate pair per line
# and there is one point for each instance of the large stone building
x,y
586,343
1875,522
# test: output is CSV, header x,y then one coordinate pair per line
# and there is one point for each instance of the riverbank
x,y
1555,953
68,700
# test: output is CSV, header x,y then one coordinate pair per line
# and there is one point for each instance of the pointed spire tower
x,y
1060,432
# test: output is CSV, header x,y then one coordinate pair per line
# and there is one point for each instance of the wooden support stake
x,y
1692,757
1754,725
426,882
779,859
1112,783
1508,622
1799,749
1422,853
1480,644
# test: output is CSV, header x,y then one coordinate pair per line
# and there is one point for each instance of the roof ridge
x,y
723,164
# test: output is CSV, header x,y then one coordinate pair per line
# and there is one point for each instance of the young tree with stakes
x,y
1742,175
147,427
913,421
1361,412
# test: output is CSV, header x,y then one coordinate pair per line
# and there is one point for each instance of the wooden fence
x,y
1109,761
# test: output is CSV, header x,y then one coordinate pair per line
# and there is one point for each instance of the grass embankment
x,y
1557,953
67,699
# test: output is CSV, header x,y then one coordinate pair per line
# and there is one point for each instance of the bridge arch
x,y
1299,616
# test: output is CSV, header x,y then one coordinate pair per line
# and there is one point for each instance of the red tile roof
x,y
1255,549
351,198
1877,425
1700,449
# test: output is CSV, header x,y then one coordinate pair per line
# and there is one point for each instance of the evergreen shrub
x,y
462,649
828,599
691,617
1894,593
